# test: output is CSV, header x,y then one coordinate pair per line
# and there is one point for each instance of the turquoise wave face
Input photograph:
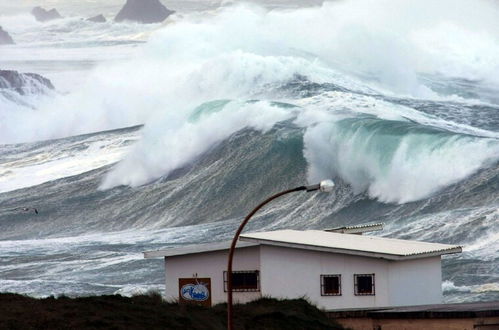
x,y
206,109
212,107
395,161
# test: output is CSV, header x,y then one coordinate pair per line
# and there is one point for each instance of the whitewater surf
x,y
166,134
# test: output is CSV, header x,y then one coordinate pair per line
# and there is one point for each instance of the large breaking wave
x,y
245,52
395,161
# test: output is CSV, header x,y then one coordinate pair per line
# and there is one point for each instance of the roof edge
x,y
194,249
451,250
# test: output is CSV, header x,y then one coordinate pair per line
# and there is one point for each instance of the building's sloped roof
x,y
371,246
193,249
318,240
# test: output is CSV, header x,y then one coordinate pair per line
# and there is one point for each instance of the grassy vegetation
x,y
151,312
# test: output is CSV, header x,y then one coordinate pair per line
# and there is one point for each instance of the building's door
x,y
194,291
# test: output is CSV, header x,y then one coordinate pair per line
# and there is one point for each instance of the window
x,y
364,284
244,281
331,285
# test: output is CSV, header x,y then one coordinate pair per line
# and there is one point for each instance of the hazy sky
x,y
68,7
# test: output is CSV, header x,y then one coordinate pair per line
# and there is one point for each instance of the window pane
x,y
331,285
243,281
364,284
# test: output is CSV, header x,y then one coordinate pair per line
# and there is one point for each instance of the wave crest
x,y
394,161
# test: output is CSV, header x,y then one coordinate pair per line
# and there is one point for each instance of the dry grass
x,y
151,312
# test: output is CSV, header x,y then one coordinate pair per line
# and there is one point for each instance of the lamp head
x,y
326,185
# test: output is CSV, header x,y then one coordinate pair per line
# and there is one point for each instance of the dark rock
x,y
143,11
97,19
43,15
5,38
24,83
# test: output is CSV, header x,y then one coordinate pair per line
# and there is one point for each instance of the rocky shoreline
x,y
5,38
24,83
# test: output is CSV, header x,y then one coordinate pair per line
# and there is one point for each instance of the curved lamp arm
x,y
324,186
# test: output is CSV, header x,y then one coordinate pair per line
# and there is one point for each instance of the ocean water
x,y
167,134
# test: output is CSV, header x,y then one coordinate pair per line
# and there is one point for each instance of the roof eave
x,y
456,249
187,250
153,254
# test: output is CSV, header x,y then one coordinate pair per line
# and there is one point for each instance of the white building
x,y
334,269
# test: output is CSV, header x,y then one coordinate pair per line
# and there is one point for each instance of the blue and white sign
x,y
195,292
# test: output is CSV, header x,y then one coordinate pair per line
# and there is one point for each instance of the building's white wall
x,y
415,282
212,265
294,273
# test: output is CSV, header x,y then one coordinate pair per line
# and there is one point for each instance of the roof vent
x,y
359,229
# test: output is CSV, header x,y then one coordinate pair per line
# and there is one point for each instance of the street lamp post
x,y
324,186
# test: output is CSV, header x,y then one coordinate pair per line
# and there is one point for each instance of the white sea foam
x,y
362,38
62,159
184,140
476,229
449,286
133,290
93,262
485,248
